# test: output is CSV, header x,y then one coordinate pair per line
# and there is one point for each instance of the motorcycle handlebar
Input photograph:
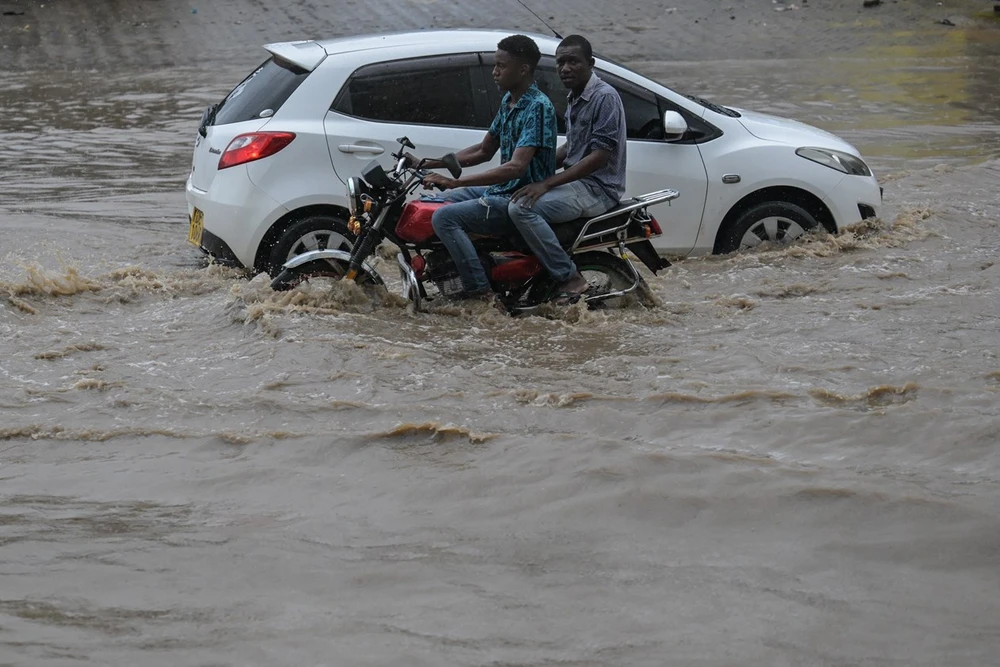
x,y
421,174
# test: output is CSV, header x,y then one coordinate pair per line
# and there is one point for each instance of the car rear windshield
x,y
262,93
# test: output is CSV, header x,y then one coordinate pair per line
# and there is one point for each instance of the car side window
x,y
644,114
443,90
548,81
643,109
643,119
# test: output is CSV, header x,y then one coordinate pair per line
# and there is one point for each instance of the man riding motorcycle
x,y
593,159
525,133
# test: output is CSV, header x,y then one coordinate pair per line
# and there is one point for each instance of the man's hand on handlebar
x,y
428,163
440,182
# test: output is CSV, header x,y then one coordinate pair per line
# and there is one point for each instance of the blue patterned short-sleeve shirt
x,y
530,122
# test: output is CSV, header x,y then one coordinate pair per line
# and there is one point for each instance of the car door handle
x,y
358,148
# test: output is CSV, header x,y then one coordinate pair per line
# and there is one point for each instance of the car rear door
x,y
439,102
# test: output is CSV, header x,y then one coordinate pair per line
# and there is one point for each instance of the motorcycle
x,y
379,209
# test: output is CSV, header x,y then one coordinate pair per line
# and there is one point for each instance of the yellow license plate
x,y
197,226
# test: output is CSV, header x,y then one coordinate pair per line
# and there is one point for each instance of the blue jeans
x,y
472,213
560,204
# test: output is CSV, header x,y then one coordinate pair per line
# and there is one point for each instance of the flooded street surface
x,y
793,460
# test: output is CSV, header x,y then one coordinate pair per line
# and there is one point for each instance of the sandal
x,y
567,298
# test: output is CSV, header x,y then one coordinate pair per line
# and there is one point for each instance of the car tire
x,y
773,221
315,232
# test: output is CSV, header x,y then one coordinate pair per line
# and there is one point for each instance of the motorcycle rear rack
x,y
619,233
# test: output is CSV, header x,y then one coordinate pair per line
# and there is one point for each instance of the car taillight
x,y
253,146
654,226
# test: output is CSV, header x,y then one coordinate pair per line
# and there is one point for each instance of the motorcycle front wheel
x,y
334,269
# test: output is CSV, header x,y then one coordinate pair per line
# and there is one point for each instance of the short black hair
x,y
580,41
522,48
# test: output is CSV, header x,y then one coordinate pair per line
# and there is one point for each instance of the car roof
x,y
454,39
308,53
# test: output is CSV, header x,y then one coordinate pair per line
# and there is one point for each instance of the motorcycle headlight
x,y
354,192
842,162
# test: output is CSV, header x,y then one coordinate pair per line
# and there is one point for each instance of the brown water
x,y
792,461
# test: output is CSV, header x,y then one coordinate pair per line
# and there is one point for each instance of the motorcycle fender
x,y
646,253
341,255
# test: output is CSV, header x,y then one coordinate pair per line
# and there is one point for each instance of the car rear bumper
x,y
853,200
236,214
219,250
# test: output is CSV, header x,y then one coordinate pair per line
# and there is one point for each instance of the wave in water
x,y
871,234
876,397
434,431
120,284
553,399
749,396
61,433
90,346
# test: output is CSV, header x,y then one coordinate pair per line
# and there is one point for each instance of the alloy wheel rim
x,y
773,229
322,239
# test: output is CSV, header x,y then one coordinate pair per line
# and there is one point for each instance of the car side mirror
x,y
451,163
674,126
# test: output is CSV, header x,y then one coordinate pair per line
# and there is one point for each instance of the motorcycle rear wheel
x,y
605,273
319,268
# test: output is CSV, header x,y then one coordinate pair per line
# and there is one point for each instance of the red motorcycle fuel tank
x,y
414,224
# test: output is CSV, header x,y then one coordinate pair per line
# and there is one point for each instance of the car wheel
x,y
773,222
316,232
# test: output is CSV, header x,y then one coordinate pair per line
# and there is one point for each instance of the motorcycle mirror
x,y
451,163
405,141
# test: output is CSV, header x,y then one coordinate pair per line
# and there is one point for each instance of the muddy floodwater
x,y
794,459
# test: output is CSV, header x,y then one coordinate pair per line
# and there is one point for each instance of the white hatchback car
x,y
271,159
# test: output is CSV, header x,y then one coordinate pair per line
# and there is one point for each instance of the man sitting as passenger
x,y
593,159
525,133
